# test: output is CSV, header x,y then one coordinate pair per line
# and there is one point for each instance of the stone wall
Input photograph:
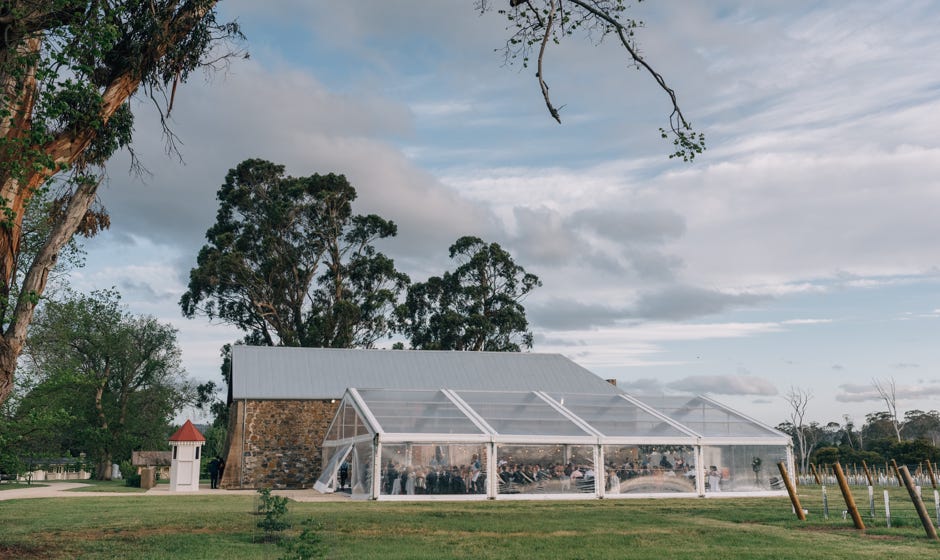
x,y
276,444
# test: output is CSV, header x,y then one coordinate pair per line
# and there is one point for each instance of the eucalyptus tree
x,y
477,306
67,71
289,263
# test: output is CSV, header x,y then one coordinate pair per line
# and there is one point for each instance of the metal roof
x,y
266,372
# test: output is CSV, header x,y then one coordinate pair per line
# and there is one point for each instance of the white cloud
x,y
851,392
806,321
725,385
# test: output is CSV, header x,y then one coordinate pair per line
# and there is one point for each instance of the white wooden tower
x,y
187,445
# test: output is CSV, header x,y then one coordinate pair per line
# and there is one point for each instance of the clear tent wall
x,y
393,444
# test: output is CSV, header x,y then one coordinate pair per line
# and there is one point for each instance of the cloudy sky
x,y
799,250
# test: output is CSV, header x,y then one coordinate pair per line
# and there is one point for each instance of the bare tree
x,y
798,399
887,389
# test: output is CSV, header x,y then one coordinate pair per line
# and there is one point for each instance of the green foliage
x,y
289,263
826,455
478,306
308,544
114,379
11,465
880,451
876,442
215,441
273,510
26,433
84,48
127,469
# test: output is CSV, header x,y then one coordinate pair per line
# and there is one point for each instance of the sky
x,y
800,250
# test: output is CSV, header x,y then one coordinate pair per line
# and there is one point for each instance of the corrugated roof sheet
x,y
264,372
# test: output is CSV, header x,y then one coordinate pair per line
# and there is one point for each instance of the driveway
x,y
61,490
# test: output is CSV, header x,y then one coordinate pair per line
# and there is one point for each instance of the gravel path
x,y
61,490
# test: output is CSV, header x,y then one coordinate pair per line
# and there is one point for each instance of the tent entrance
x,y
331,474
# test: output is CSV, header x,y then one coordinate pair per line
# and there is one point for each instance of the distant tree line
x,y
875,442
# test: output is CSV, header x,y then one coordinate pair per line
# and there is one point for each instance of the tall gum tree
x,y
67,71
288,262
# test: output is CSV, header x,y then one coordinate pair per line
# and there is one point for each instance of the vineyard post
x,y
792,491
812,467
847,495
918,504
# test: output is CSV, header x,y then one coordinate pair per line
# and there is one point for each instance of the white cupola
x,y
187,445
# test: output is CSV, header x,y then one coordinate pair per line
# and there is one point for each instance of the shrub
x,y
309,544
273,509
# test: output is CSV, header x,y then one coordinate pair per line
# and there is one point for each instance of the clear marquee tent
x,y
399,444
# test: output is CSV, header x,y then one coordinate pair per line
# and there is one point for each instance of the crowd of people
x,y
436,478
439,478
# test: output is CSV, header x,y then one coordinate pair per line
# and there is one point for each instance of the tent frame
x,y
491,440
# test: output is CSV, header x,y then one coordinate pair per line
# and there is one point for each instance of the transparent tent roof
x,y
416,411
708,418
615,416
521,414
402,413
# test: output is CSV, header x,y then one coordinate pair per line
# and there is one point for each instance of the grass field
x,y
195,527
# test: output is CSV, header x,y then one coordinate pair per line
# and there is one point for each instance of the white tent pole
x,y
492,476
699,469
376,468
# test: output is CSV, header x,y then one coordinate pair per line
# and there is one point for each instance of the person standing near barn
x,y
213,469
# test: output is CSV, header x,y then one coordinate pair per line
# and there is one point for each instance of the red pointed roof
x,y
187,433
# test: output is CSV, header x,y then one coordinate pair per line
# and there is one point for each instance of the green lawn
x,y
196,527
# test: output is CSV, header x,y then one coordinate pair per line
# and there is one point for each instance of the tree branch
x,y
548,31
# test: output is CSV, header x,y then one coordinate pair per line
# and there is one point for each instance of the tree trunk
x,y
103,472
8,358
35,282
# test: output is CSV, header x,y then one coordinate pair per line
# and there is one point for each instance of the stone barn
x,y
283,399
